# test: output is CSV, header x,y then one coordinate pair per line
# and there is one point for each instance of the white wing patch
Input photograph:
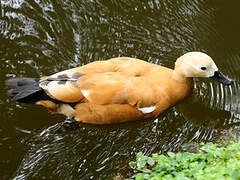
x,y
59,74
146,110
54,84
85,93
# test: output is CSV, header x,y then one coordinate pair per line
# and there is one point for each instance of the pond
x,y
43,37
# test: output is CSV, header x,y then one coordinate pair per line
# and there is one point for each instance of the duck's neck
x,y
178,73
179,77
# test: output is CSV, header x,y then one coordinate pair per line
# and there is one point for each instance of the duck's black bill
x,y
220,77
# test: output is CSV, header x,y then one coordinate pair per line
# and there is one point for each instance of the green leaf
x,y
236,175
132,164
171,154
150,161
139,176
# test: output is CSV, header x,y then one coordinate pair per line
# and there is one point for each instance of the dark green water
x,y
42,37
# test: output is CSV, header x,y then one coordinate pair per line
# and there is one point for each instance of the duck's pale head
x,y
198,64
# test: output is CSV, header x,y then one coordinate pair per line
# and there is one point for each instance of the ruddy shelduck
x,y
116,90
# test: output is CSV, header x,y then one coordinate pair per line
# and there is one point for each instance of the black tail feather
x,y
18,82
25,90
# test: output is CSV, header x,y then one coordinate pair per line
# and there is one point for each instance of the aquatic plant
x,y
210,162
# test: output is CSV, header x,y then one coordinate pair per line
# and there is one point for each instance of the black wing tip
x,y
17,82
20,88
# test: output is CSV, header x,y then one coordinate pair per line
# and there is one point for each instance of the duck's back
x,y
118,80
131,66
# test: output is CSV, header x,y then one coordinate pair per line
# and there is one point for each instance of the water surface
x,y
43,37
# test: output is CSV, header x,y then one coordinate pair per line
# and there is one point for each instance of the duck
x,y
116,90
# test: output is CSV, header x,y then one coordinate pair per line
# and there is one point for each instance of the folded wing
x,y
101,88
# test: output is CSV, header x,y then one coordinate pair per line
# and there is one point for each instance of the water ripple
x,y
44,37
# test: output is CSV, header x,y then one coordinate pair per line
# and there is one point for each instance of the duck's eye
x,y
203,68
